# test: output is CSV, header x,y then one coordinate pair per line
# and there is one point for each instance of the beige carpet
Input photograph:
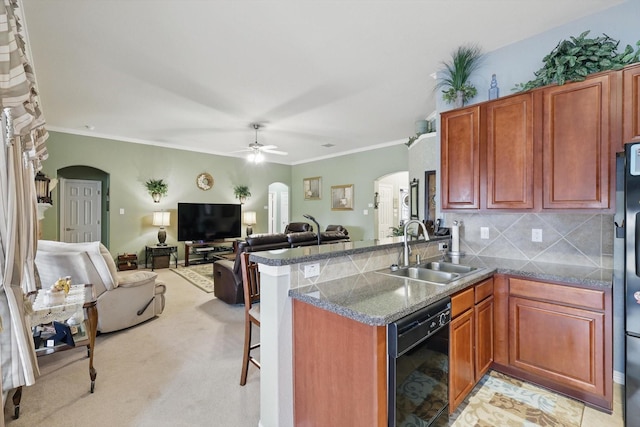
x,y
200,275
179,369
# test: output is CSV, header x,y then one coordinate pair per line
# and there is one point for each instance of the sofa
x,y
227,274
124,299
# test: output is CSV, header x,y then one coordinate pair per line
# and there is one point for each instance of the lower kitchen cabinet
x,y
559,336
471,341
340,370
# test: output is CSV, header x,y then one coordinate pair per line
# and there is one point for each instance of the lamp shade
x,y
249,218
161,219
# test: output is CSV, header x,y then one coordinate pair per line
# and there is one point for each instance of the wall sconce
x,y
161,219
249,218
42,188
376,200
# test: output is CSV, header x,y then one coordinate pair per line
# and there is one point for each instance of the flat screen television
x,y
208,221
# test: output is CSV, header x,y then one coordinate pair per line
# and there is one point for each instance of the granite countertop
x,y
377,299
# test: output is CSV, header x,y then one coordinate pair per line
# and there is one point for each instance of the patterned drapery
x,y
23,149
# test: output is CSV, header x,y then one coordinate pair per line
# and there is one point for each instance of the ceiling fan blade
x,y
268,147
280,153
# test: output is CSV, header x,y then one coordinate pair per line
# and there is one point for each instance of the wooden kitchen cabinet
x,y
631,104
460,158
552,148
471,340
559,336
508,127
340,370
576,143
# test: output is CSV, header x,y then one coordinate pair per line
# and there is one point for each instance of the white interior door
x,y
284,210
386,218
80,210
272,212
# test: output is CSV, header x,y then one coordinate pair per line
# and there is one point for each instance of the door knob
x,y
69,229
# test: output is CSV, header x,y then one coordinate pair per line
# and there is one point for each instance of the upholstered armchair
x,y
124,298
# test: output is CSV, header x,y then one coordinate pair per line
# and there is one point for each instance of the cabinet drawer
x,y
461,302
560,294
483,290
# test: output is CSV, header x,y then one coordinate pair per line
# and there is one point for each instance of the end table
x,y
154,251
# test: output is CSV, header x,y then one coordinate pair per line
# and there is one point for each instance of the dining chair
x,y
251,285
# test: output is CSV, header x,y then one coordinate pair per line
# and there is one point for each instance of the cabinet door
x,y
483,319
562,344
461,371
631,104
509,133
576,146
460,158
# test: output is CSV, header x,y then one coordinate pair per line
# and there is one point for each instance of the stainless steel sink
x,y
449,267
422,274
438,272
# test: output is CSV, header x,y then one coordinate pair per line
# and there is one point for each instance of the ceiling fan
x,y
256,149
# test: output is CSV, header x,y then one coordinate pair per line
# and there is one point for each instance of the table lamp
x,y
161,219
249,219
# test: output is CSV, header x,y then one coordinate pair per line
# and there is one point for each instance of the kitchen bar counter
x,y
377,299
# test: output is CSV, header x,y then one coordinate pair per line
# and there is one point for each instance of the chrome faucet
x,y
406,240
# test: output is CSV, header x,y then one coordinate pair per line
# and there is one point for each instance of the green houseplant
x,y
241,192
454,82
157,188
576,58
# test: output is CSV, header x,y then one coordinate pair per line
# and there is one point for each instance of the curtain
x,y
23,149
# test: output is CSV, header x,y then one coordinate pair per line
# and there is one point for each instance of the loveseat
x,y
124,299
227,274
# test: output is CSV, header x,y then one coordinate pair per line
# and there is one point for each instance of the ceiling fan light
x,y
258,157
251,157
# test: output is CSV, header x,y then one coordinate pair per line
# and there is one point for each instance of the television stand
x,y
206,252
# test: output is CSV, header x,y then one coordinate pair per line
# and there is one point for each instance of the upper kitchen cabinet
x,y
551,148
460,158
509,147
631,104
576,143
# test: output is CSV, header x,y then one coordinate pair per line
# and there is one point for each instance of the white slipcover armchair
x,y
124,298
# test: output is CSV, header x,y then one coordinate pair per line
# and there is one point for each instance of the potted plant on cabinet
x,y
157,188
455,76
241,192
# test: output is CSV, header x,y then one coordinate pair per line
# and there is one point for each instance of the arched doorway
x,y
278,207
392,203
83,205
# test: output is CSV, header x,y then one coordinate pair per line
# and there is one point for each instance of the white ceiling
x,y
194,74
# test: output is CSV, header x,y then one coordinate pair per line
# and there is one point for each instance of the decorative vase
x,y
459,101
156,197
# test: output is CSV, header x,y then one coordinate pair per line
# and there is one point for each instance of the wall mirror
x,y
413,195
430,195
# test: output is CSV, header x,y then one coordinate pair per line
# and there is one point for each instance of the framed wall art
x,y
312,188
342,197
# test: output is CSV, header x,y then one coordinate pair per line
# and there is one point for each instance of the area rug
x,y
200,275
500,400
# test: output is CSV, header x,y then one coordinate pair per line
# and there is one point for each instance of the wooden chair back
x,y
250,281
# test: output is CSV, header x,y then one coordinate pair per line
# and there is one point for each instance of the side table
x,y
150,252
80,298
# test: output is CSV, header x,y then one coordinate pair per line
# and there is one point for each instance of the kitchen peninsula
x,y
348,286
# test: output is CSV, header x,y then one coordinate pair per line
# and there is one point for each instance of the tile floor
x,y
594,418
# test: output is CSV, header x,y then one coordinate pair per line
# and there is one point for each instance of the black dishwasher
x,y
418,348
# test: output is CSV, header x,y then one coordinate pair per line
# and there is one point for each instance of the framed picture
x,y
342,197
413,196
312,188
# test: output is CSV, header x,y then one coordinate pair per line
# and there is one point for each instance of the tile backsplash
x,y
567,238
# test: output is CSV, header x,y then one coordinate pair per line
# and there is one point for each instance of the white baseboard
x,y
618,377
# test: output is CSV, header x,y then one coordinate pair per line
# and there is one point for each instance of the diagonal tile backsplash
x,y
567,238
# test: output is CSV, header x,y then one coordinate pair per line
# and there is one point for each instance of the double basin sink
x,y
437,272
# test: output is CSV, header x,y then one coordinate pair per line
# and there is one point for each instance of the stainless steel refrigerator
x,y
632,284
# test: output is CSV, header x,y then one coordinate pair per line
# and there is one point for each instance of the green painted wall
x,y
129,165
360,169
